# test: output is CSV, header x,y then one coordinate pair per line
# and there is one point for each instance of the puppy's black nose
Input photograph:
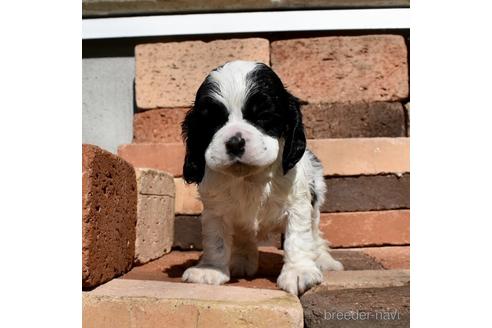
x,y
235,145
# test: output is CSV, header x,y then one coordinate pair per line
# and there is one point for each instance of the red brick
x,y
367,193
394,257
336,280
361,120
170,267
158,304
158,125
375,228
339,120
354,156
187,198
169,74
407,115
344,194
167,157
188,234
343,69
109,213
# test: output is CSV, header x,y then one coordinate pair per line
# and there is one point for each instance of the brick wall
x,y
355,91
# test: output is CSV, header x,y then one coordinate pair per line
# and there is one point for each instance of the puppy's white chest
x,y
259,207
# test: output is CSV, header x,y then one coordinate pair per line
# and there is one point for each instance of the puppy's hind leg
x,y
300,271
324,260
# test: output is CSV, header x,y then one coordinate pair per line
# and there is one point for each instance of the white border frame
x,y
249,22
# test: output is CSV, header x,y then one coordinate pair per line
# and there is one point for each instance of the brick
x,y
326,120
158,125
167,157
375,228
169,74
361,120
359,299
355,259
407,115
187,198
367,156
366,307
344,194
366,193
97,316
109,211
187,232
394,257
154,182
335,280
152,303
171,266
351,156
155,214
343,69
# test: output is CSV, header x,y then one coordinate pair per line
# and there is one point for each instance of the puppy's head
x,y
242,120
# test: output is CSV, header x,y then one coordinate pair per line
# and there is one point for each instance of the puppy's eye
x,y
265,116
211,114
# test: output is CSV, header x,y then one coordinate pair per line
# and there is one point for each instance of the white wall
x,y
107,101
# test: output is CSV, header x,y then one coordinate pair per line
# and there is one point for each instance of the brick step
x,y
169,74
359,299
124,303
351,156
368,298
333,69
344,194
321,121
343,230
127,215
171,266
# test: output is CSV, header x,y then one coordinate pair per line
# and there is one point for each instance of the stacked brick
x,y
127,216
353,89
355,95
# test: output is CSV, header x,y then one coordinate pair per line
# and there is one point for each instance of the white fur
x,y
233,85
242,207
238,212
260,150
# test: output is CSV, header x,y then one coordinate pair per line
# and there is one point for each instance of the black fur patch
x,y
267,102
274,110
202,121
314,196
317,164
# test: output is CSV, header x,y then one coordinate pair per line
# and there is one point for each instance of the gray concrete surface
x,y
107,101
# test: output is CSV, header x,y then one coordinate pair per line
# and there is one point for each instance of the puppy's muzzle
x,y
235,146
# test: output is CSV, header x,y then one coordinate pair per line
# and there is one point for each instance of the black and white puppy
x,y
246,148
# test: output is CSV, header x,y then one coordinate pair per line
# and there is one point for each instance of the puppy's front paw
x,y
205,275
296,280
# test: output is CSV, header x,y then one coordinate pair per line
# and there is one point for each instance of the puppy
x,y
246,149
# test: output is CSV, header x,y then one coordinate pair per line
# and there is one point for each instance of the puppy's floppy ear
x,y
295,139
194,163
